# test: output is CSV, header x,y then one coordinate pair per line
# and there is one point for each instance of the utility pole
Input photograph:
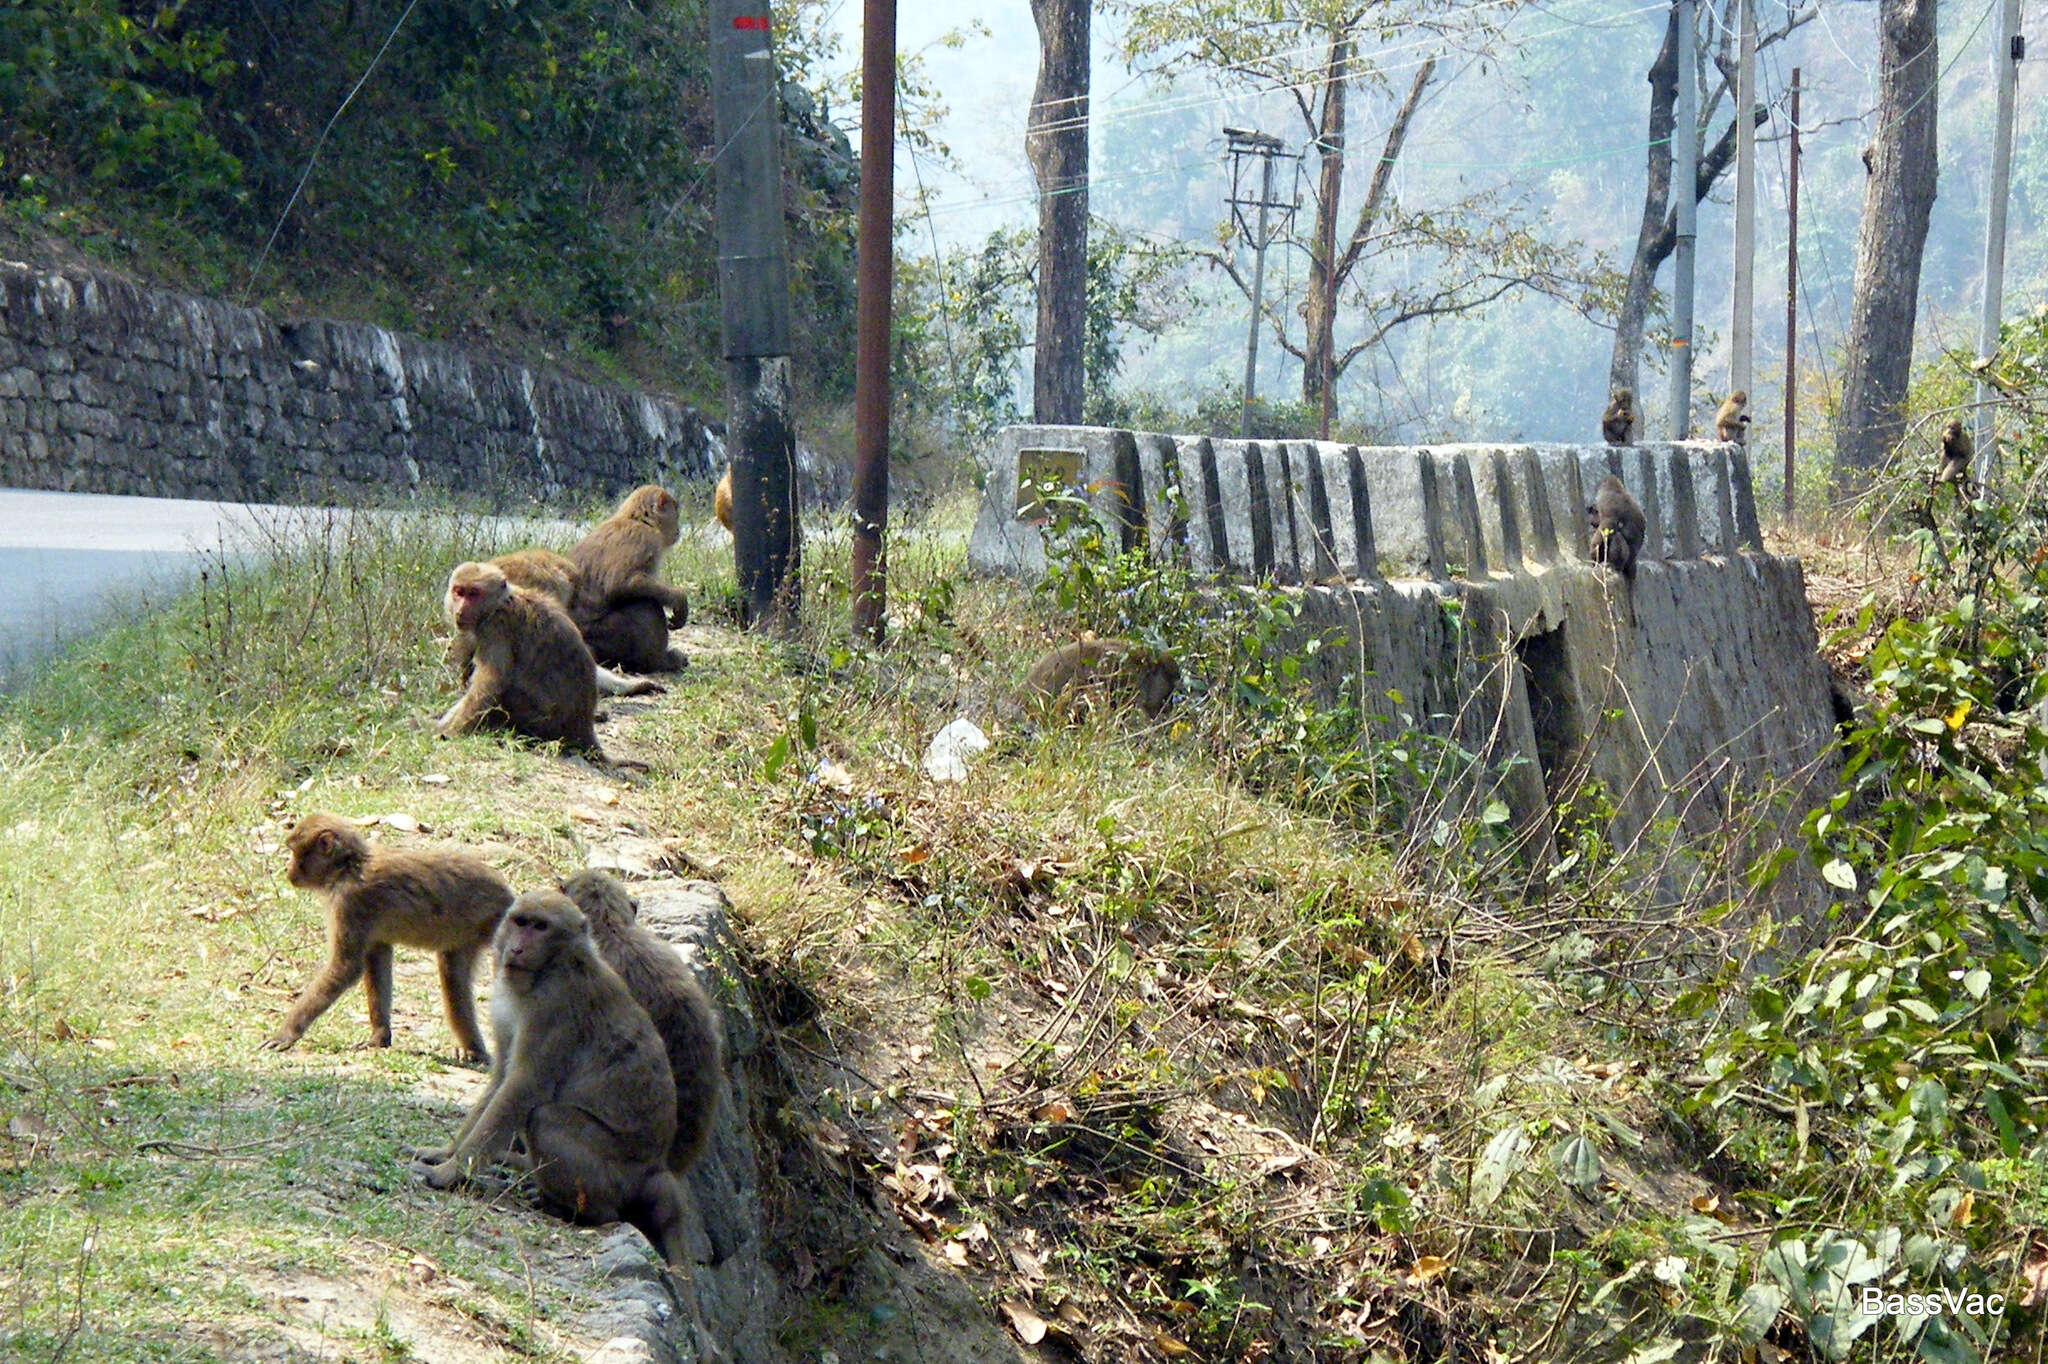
x,y
1685,155
1742,333
1243,144
1792,301
876,270
753,294
2007,50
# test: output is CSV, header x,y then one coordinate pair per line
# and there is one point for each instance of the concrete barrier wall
x,y
1455,578
1302,511
109,386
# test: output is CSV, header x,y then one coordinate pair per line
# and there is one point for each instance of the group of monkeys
x,y
1618,422
607,1059
537,633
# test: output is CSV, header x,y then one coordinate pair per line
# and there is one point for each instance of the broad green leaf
x,y
1758,1311
1577,1163
1838,874
1499,1163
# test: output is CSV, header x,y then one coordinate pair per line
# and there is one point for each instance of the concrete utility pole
x,y
1742,333
877,268
753,294
1792,300
2007,50
1685,156
1244,143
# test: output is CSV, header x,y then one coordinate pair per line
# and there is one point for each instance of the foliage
x,y
1910,1041
533,163
965,318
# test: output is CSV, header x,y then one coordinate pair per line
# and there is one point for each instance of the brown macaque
x,y
530,672
666,987
1957,452
1618,422
551,575
580,1084
624,611
443,902
1731,422
721,500
1117,669
1616,520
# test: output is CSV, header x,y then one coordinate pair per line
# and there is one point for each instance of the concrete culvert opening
x,y
1553,710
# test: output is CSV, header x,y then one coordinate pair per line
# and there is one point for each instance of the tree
x,y
1057,145
1898,198
1478,249
1657,238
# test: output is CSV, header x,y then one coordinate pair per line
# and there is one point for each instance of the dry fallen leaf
x,y
1965,1209
912,856
1055,1112
1168,1346
1029,1326
2035,1272
1425,1269
401,821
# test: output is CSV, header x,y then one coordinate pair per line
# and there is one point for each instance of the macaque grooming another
x,y
624,611
1731,422
1616,521
580,1095
1618,422
530,672
665,986
444,902
1115,669
551,575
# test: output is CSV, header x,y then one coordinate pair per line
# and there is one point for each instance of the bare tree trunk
x,y
1897,199
1319,354
1642,271
1057,144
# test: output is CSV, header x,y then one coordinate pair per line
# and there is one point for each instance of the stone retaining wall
x,y
113,387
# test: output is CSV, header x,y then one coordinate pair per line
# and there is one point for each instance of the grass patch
x,y
1170,1037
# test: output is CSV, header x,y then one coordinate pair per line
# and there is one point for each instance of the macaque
x,y
551,575
1115,668
664,985
624,611
1618,422
721,500
444,902
1618,527
1731,422
1957,451
580,1095
529,672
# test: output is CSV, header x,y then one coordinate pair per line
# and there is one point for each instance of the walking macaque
x,y
1731,422
529,670
1618,527
1618,422
444,902
1957,452
551,575
665,986
580,1083
1115,668
721,500
624,611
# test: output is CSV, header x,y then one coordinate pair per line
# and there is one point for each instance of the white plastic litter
x,y
951,747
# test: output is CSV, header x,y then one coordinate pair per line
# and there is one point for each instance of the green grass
x,y
1196,1043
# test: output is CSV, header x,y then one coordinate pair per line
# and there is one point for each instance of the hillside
x,y
525,178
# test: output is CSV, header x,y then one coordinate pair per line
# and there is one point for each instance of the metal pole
x,y
1742,333
1251,342
753,292
876,269
1792,301
2006,52
1685,152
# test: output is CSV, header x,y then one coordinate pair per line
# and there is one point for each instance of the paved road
x,y
70,560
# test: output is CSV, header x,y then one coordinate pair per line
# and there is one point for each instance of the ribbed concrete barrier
x,y
1455,579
